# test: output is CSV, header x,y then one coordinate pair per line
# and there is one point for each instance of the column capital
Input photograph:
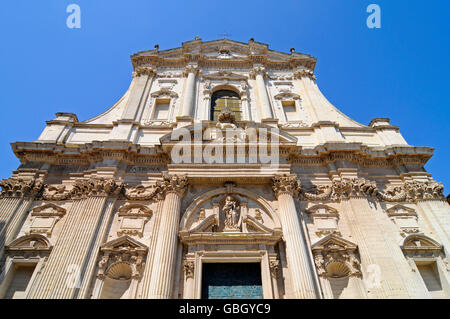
x,y
301,72
285,184
173,184
258,70
149,71
191,68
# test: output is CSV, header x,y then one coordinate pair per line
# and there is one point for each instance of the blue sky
x,y
399,71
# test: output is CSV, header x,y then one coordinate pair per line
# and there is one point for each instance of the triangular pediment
x,y
334,242
400,210
122,243
49,209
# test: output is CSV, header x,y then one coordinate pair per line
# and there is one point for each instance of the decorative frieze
x,y
410,191
18,187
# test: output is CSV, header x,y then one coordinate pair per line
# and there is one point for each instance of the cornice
x,y
363,155
251,53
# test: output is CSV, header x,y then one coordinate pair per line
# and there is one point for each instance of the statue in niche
x,y
231,211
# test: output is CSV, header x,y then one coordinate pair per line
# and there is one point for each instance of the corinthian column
x,y
163,272
296,251
266,111
189,91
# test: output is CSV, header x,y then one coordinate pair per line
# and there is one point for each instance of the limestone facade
x,y
105,208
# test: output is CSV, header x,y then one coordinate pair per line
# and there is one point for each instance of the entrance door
x,y
231,281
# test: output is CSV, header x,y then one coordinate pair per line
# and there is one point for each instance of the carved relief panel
x,y
404,218
44,219
132,219
324,219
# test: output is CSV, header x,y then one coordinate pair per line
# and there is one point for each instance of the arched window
x,y
225,100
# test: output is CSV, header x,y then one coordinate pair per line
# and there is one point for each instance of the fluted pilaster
x,y
266,110
189,93
146,278
69,267
298,259
163,271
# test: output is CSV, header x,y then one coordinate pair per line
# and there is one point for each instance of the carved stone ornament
x,y
144,71
133,218
301,72
325,219
258,70
410,191
18,187
274,268
173,184
285,184
122,259
83,188
44,218
140,192
189,267
336,257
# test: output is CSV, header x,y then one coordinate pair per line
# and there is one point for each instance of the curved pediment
x,y
417,242
29,242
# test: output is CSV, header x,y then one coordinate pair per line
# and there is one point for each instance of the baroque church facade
x,y
222,172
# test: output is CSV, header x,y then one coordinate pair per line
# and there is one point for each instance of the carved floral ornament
x,y
18,187
108,187
410,191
